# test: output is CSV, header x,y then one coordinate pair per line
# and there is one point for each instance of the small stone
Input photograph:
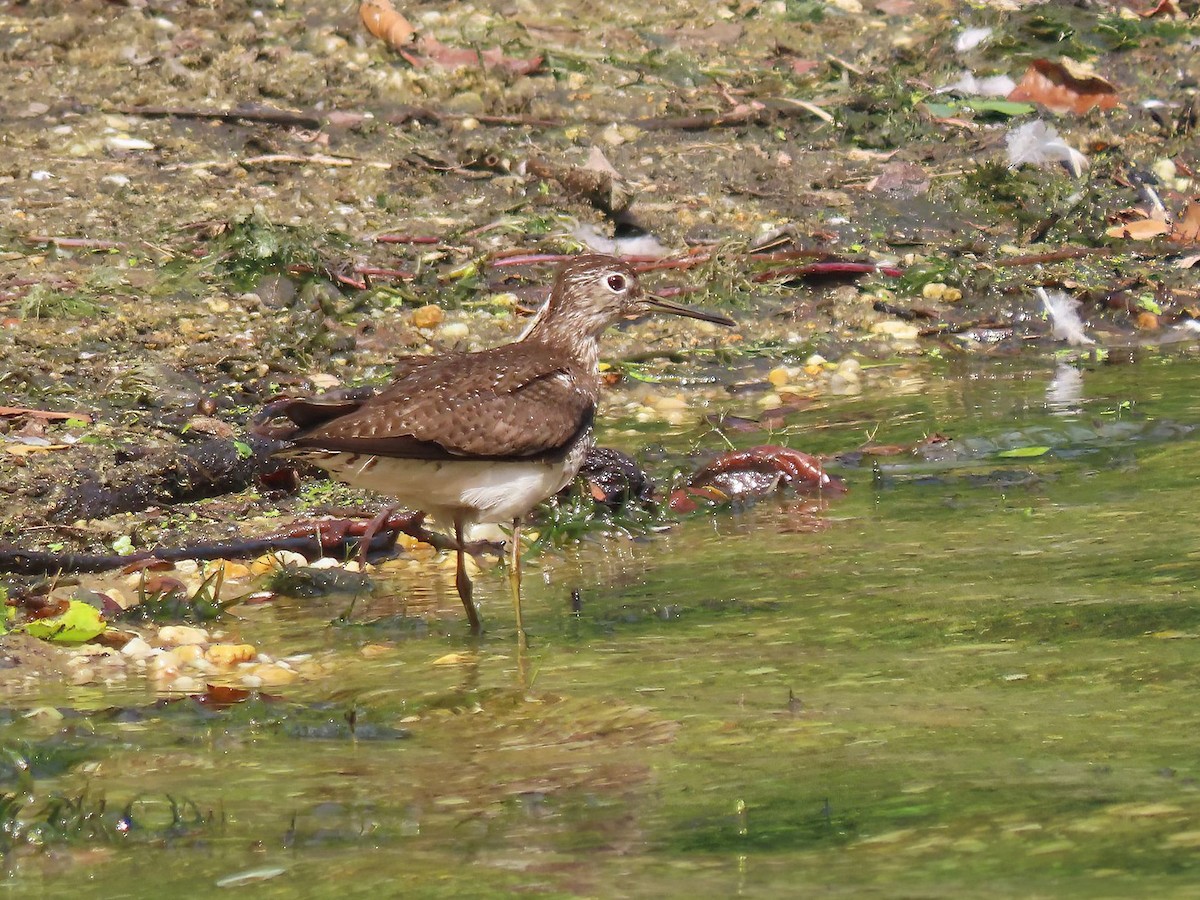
x,y
770,401
233,571
277,560
670,404
1165,169
849,368
83,675
185,684
429,316
843,386
230,654
271,674
779,376
182,634
324,382
894,328
122,142
137,649
455,331
187,653
371,651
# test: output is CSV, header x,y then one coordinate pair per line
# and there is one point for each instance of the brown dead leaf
x,y
722,34
382,20
900,179
1187,229
1065,86
22,450
1141,230
1163,8
43,414
431,51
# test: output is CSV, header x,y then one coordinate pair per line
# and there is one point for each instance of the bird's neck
x,y
559,329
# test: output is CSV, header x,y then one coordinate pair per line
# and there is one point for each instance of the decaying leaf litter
x,y
205,206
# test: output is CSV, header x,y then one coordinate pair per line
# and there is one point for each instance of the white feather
x,y
971,38
971,86
1063,313
1038,143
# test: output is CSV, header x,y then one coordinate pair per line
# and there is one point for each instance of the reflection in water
x,y
1064,393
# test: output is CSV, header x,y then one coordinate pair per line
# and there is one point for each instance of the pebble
x,y
455,331
182,634
271,674
894,328
941,292
123,142
230,654
428,316
277,560
137,648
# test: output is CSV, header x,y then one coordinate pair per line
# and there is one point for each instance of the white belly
x,y
478,491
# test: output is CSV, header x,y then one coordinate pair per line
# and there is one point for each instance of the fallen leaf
x,y
382,20
29,449
1023,452
801,66
1187,229
1065,87
900,179
434,52
1162,8
1141,230
80,622
722,34
454,659
44,414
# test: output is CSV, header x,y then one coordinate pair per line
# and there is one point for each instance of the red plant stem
x,y
382,273
405,239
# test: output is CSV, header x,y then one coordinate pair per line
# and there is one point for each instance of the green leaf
x,y
123,545
1146,302
244,451
942,110
1023,452
998,107
81,622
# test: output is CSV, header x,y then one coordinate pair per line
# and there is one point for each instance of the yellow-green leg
x,y
514,579
462,580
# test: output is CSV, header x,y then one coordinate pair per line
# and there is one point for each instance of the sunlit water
x,y
978,680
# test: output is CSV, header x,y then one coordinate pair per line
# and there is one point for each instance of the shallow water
x,y
977,680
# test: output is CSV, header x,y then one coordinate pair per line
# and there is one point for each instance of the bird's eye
x,y
617,283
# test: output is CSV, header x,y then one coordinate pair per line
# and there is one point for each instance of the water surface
x,y
977,680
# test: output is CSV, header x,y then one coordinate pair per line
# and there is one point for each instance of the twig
x,y
315,159
76,243
263,114
405,239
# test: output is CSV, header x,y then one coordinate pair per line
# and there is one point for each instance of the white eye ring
x,y
617,283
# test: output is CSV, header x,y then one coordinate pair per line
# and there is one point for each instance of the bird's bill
x,y
654,303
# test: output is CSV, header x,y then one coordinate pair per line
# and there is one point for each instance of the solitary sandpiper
x,y
483,437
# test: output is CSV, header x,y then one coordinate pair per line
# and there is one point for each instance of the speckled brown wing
x,y
512,402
